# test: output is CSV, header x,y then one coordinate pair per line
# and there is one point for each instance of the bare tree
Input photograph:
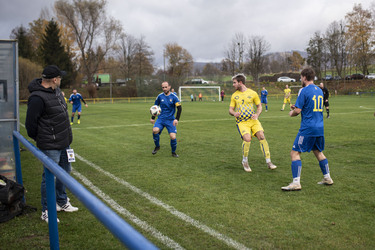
x,y
315,53
143,58
257,48
234,54
336,45
126,50
95,33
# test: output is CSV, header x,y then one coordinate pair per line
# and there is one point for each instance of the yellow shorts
x,y
249,127
287,100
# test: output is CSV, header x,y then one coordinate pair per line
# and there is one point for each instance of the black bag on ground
x,y
11,199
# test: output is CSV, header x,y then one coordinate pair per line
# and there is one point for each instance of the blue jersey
x,y
168,104
310,100
76,98
263,94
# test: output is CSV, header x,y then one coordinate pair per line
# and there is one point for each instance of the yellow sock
x,y
245,148
265,149
283,106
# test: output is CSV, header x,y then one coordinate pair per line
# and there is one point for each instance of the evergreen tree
x,y
54,53
25,49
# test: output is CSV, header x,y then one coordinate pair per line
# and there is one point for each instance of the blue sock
x,y
156,139
174,145
324,166
72,118
266,107
296,168
79,116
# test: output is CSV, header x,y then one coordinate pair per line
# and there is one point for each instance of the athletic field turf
x,y
204,199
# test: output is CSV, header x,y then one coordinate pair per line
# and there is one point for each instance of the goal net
x,y
208,93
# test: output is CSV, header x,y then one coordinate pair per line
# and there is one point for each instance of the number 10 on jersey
x,y
318,103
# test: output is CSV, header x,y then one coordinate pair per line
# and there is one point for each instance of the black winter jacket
x,y
47,118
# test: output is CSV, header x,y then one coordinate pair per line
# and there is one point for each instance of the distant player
x,y
287,95
325,97
263,97
75,100
222,95
200,96
168,103
311,133
248,125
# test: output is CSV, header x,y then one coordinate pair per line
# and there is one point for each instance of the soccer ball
x,y
155,110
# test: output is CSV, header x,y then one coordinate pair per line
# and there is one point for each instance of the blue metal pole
x,y
114,223
52,214
17,156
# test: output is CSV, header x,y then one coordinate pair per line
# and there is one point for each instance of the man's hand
x,y
293,107
152,121
175,122
86,105
254,116
71,102
237,114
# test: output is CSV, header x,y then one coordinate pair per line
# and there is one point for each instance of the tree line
x,y
82,39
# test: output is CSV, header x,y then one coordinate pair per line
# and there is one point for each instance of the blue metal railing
x,y
114,223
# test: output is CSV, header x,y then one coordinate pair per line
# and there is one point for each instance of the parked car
x,y
328,78
199,81
371,76
285,79
337,78
348,77
358,76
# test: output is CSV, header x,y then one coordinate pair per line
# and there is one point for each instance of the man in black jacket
x,y
325,97
47,122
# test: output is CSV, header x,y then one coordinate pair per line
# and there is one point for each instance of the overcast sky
x,y
204,27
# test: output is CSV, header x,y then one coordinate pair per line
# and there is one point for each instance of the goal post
x,y
210,92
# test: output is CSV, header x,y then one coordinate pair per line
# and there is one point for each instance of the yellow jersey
x,y
243,102
287,92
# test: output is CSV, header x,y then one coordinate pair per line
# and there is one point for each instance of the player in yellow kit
x,y
248,125
287,95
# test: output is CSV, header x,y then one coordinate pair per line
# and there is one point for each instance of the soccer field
x,y
204,199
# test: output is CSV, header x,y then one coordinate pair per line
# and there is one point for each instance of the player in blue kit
x,y
263,97
168,103
75,99
311,133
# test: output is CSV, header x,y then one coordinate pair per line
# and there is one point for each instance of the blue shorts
x,y
160,123
308,143
76,108
263,100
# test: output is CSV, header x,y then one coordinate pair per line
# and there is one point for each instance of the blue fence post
x,y
17,156
52,214
113,222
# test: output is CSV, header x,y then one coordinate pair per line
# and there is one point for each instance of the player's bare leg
x,y
245,152
265,149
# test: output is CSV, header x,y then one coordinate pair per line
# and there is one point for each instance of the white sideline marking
x,y
142,224
365,107
227,240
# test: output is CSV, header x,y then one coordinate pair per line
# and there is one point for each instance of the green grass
x,y
208,183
